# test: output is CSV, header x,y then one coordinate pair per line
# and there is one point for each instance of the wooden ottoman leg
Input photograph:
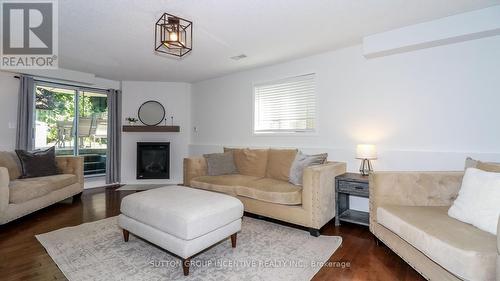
x,y
314,232
125,235
185,266
233,240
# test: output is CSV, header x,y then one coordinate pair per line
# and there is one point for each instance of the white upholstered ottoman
x,y
181,220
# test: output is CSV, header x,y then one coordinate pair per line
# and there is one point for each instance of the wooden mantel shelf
x,y
140,128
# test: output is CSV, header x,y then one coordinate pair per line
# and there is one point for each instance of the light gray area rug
x,y
264,251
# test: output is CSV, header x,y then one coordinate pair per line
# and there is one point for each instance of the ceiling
x,y
114,38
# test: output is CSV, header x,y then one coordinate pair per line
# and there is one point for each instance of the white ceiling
x,y
114,38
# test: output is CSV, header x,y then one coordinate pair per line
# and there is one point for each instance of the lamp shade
x,y
366,151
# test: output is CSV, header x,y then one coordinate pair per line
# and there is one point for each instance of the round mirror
x,y
151,113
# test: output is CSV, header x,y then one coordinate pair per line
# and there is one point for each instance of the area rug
x,y
265,251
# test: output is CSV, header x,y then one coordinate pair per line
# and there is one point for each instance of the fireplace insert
x,y
153,160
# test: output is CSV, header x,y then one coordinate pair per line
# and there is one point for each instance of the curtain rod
x,y
65,84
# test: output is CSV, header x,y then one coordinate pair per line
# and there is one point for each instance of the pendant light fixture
x,y
173,35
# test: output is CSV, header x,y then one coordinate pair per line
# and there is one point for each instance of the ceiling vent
x,y
239,57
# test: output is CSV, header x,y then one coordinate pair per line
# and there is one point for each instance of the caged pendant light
x,y
173,35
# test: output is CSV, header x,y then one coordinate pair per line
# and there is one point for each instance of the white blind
x,y
287,105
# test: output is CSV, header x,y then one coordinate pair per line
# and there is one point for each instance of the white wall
x,y
426,109
448,30
175,97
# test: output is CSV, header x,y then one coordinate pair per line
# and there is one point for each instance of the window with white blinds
x,y
287,105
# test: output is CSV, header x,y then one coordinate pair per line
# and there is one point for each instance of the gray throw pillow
x,y
470,163
220,164
301,162
38,163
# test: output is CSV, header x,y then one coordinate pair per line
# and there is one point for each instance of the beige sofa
x,y
312,205
19,197
409,214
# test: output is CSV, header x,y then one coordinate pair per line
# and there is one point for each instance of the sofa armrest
x,y
412,189
194,167
71,165
318,193
4,188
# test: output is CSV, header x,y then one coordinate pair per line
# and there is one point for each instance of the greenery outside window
x,y
74,120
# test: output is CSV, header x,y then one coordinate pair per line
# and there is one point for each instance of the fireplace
x,y
153,160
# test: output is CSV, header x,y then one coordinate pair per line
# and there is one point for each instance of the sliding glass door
x,y
92,131
54,118
75,121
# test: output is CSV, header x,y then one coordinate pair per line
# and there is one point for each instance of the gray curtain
x,y
114,136
25,109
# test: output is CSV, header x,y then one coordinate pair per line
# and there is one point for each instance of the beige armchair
x,y
409,214
19,197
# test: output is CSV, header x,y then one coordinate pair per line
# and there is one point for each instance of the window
x,y
75,121
286,106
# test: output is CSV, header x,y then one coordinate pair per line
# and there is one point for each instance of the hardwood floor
x,y
23,258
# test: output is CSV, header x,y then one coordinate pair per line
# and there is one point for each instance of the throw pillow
x,y
303,161
478,201
220,164
38,163
279,162
470,163
250,162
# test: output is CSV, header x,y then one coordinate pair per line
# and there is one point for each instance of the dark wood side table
x,y
350,184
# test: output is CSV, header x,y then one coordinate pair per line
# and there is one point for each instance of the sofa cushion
x,y
23,191
220,163
460,248
271,190
38,163
54,182
10,161
223,183
489,166
485,166
264,189
250,162
279,162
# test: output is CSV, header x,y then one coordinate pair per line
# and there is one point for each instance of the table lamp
x,y
366,152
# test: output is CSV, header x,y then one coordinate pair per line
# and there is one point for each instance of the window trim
x,y
301,133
